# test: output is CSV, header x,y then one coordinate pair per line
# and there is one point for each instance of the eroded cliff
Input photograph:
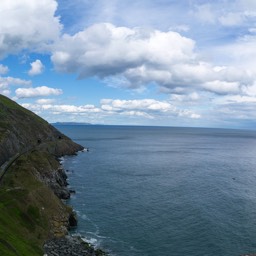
x,y
21,130
31,209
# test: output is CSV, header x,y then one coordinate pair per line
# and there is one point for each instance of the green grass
x,y
27,206
17,226
12,114
7,102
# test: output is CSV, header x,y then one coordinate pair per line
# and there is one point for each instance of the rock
x,y
58,183
72,220
60,192
70,246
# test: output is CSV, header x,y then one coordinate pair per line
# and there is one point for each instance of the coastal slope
x,y
21,130
32,182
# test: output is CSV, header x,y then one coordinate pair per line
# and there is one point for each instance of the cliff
x,y
31,209
20,130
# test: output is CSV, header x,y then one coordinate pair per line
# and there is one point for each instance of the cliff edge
x,y
32,181
21,130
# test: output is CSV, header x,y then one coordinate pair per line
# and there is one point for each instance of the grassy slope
x,y
24,124
7,105
27,207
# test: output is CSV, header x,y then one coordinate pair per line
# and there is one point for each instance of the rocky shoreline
x,y
70,246
67,245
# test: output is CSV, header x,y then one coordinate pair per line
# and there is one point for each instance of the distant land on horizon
x,y
70,123
196,127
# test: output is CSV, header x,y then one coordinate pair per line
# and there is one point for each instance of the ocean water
x,y
156,191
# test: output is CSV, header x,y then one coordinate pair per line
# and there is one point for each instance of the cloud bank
x,y
202,59
137,110
139,57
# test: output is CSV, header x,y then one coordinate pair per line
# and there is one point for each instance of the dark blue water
x,y
156,191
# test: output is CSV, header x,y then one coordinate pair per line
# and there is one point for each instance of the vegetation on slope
x,y
21,129
28,207
30,212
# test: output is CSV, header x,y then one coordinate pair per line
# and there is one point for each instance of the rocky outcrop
x,y
69,245
58,184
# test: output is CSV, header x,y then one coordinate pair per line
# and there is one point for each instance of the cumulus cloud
x,y
134,57
5,92
37,68
148,108
37,92
105,50
64,109
7,82
27,24
145,104
45,101
143,109
72,109
137,57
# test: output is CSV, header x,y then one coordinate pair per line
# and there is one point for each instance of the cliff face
x,y
30,207
22,130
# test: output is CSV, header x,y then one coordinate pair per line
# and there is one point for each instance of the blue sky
x,y
161,62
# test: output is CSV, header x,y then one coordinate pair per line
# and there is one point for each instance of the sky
x,y
147,62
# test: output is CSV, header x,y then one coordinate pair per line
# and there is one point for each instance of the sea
x,y
164,191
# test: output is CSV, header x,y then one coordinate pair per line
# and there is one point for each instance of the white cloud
x,y
143,109
104,50
7,82
148,108
188,98
63,109
37,68
145,104
241,54
133,58
5,92
72,109
222,87
27,24
37,92
137,114
3,69
45,101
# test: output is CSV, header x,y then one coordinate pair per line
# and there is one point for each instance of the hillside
x,y
20,129
31,209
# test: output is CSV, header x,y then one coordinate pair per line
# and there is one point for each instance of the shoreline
x,y
70,244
